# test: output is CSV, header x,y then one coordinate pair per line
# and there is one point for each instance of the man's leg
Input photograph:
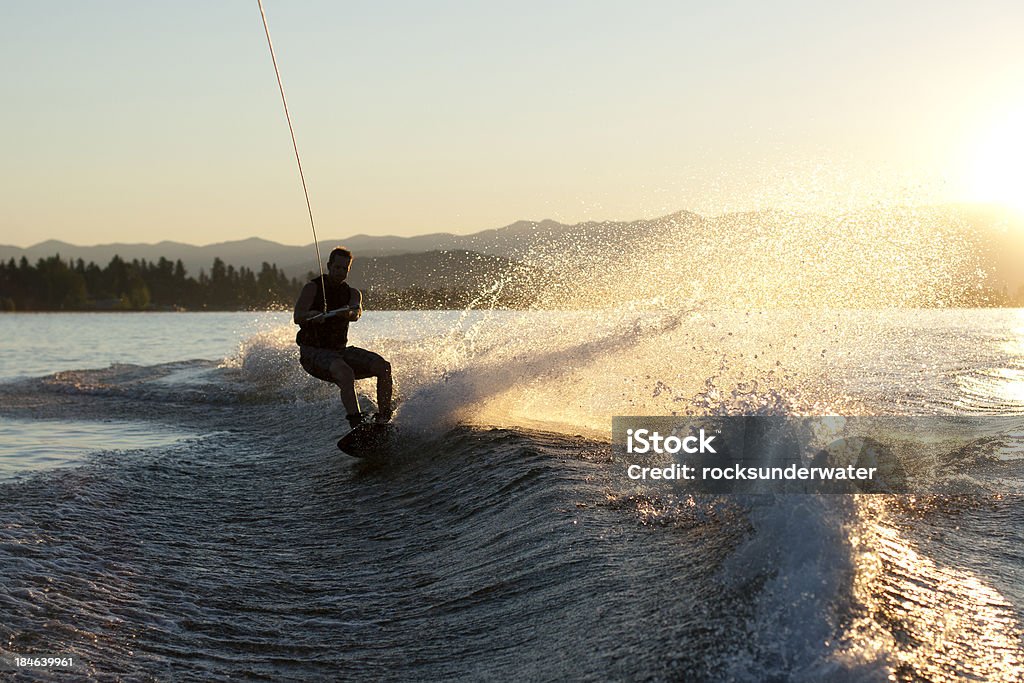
x,y
385,387
345,379
368,364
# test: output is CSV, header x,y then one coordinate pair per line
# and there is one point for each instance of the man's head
x,y
338,264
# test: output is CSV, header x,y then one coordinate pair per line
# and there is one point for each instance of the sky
x,y
127,121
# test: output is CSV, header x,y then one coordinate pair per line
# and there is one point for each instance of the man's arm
x,y
356,304
305,302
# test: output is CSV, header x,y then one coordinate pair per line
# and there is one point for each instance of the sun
x,y
995,171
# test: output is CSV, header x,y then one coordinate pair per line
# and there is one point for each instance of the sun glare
x,y
996,173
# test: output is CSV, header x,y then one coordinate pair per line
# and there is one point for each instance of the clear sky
x,y
143,121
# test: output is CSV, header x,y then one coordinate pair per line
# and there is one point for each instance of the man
x,y
323,339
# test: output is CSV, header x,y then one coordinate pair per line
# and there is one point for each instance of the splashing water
x,y
683,315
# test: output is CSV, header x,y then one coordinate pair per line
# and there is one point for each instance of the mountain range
x,y
996,237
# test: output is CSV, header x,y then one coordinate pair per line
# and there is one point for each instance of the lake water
x,y
172,504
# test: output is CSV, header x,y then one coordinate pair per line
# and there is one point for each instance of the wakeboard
x,y
367,440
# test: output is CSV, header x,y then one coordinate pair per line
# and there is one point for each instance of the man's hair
x,y
340,251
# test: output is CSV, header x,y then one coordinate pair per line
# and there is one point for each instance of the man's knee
x,y
341,371
382,368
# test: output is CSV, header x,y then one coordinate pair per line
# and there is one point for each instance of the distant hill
x,y
251,253
431,269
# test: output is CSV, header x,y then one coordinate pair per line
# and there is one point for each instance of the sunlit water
x,y
31,445
174,506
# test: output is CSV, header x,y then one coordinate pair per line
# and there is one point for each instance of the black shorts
x,y
317,361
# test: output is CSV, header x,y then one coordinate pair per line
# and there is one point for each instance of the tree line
x,y
53,284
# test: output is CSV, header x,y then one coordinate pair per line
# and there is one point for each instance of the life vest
x,y
333,332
